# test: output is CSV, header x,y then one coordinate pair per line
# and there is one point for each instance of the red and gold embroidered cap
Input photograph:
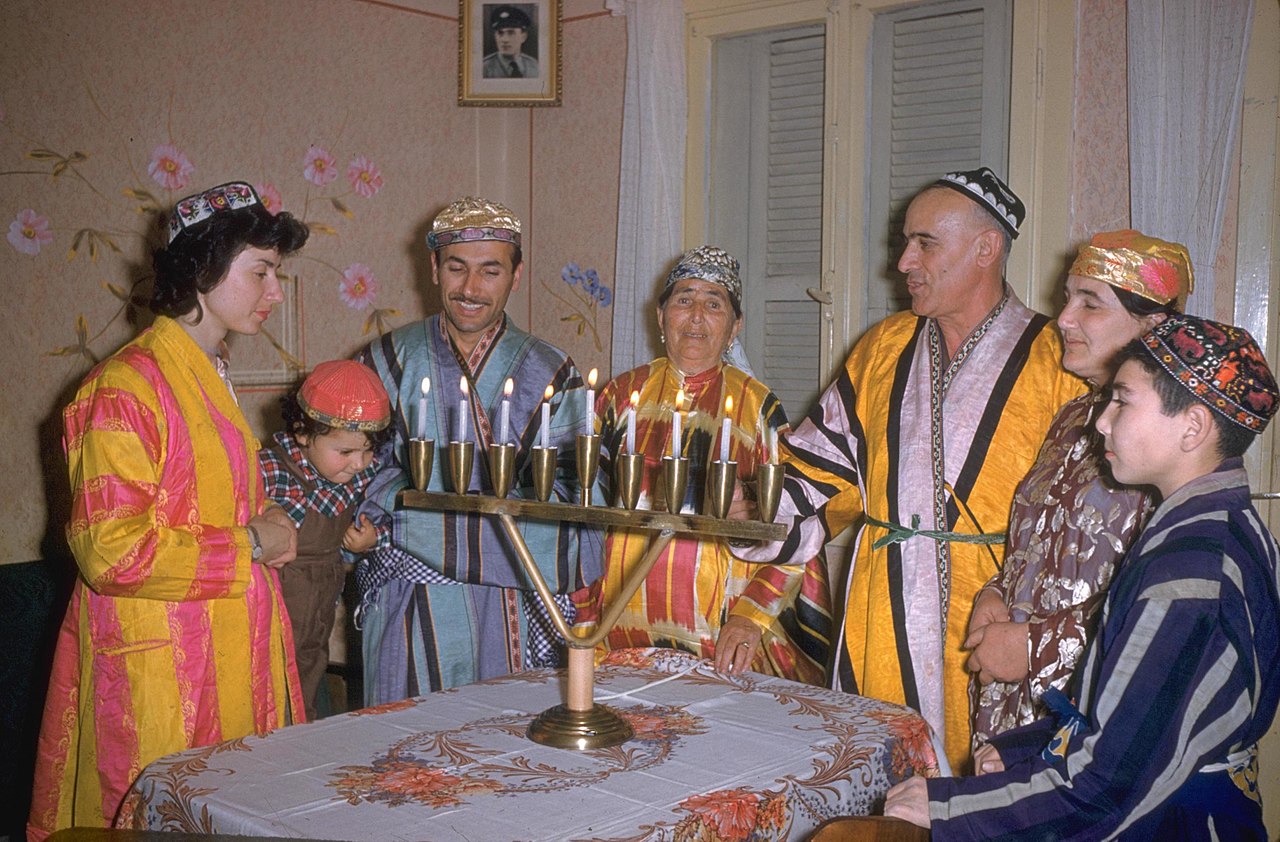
x,y
1155,269
345,395
1220,365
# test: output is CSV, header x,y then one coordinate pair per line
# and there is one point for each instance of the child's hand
x,y
360,536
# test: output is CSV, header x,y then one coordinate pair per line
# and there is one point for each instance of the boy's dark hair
x,y
199,257
298,423
1233,440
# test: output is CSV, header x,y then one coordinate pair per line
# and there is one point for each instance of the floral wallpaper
x,y
342,113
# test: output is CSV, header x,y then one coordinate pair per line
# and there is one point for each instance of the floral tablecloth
x,y
714,758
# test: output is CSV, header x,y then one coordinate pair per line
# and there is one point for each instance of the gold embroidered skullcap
x,y
471,219
1154,269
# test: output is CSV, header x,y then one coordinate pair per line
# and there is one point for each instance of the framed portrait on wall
x,y
509,53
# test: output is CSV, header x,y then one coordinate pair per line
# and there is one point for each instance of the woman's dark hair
x,y
298,423
1233,440
1139,306
200,256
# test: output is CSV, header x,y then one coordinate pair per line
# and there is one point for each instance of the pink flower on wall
x,y
364,175
29,232
357,287
319,166
170,167
270,197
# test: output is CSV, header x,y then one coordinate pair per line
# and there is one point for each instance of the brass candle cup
x,y
421,455
768,489
588,452
675,481
461,455
502,462
628,477
721,477
544,472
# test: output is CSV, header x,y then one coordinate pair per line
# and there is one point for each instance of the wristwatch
x,y
255,544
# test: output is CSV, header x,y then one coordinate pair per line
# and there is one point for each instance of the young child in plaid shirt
x,y
318,469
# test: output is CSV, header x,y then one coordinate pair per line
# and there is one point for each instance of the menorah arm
x,y
611,614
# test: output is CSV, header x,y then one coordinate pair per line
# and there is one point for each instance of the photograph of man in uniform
x,y
510,26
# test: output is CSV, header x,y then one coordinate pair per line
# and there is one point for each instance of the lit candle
x,y
631,423
591,401
724,429
675,425
504,426
546,414
422,408
462,410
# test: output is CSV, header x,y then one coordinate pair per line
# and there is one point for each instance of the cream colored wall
x,y
241,89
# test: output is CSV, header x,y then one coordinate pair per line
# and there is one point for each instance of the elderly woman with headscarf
x,y
773,619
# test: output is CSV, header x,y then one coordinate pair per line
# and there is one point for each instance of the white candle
x,y
724,429
422,408
462,411
590,401
773,447
675,425
504,426
546,414
631,423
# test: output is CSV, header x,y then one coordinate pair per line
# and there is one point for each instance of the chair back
x,y
868,829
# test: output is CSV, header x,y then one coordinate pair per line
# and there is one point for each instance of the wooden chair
x,y
868,829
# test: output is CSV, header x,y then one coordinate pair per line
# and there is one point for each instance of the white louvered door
x,y
939,103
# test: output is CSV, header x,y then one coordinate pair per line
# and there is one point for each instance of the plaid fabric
x,y
328,498
544,647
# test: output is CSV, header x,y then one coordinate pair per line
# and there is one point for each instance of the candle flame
x,y
591,378
546,395
462,384
426,386
635,399
680,400
728,404
508,387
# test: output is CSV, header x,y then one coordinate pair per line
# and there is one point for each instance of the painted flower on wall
x,y
319,167
170,167
270,197
29,232
588,296
358,287
364,175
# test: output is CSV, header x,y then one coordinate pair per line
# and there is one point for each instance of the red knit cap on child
x,y
345,395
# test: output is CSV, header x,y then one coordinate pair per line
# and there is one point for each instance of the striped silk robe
x,y
1178,685
696,585
899,436
173,638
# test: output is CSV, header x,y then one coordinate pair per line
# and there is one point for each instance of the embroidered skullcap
x,y
469,220
985,187
1220,365
345,395
509,17
711,264
1154,269
195,209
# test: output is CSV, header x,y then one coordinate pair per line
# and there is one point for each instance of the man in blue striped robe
x,y
449,604
1183,678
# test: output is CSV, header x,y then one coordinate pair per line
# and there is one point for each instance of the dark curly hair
x,y
298,423
200,257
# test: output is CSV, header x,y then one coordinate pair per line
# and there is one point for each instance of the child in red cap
x,y
318,469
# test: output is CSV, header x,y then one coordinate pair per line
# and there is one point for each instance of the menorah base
x,y
560,727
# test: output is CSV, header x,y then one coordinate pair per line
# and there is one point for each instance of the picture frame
x,y
515,65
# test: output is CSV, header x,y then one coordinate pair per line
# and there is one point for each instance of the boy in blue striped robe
x,y
1183,677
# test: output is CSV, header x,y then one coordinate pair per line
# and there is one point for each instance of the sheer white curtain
x,y
651,188
1186,79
